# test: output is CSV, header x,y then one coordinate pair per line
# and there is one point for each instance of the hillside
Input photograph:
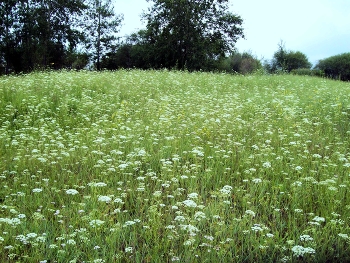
x,y
163,166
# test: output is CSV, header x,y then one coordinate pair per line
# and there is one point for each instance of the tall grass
x,y
163,166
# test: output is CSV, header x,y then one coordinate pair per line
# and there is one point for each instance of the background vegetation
x,y
184,34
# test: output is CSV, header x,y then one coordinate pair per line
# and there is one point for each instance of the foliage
x,y
287,61
190,34
37,34
135,52
308,72
42,34
169,166
336,67
101,24
296,60
243,63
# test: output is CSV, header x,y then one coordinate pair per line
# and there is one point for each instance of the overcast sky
x,y
318,28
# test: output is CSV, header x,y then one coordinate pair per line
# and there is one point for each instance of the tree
x,y
191,34
243,63
102,24
284,60
8,18
336,67
37,33
296,60
279,58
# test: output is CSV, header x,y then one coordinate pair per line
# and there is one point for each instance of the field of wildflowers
x,y
164,166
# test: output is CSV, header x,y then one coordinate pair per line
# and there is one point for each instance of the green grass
x,y
163,166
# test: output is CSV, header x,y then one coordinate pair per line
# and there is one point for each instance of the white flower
x,y
199,215
188,242
190,228
71,192
129,223
123,166
297,183
345,236
21,216
180,218
211,238
266,165
299,251
189,203
192,196
31,235
226,190
37,190
104,198
306,238
198,152
256,180
298,168
256,228
250,212
118,201
96,222
157,193
71,242
99,184
128,250
319,219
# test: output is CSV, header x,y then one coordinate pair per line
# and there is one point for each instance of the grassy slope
x,y
264,160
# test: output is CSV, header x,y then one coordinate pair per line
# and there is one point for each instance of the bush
x,y
336,67
243,63
308,72
286,61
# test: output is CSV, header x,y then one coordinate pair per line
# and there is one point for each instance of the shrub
x,y
286,61
308,72
243,63
336,67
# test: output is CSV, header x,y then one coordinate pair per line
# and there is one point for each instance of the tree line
x,y
40,34
182,34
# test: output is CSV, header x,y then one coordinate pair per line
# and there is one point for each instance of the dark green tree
x,y
8,18
278,62
101,24
336,67
243,63
135,52
41,32
296,60
191,34
284,60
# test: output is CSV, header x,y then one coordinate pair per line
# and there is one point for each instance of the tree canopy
x,y
336,67
190,33
102,24
179,34
284,60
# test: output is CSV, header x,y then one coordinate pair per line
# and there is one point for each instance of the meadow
x,y
168,166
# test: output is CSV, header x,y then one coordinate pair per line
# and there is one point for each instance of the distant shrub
x,y
336,67
243,63
286,61
308,72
